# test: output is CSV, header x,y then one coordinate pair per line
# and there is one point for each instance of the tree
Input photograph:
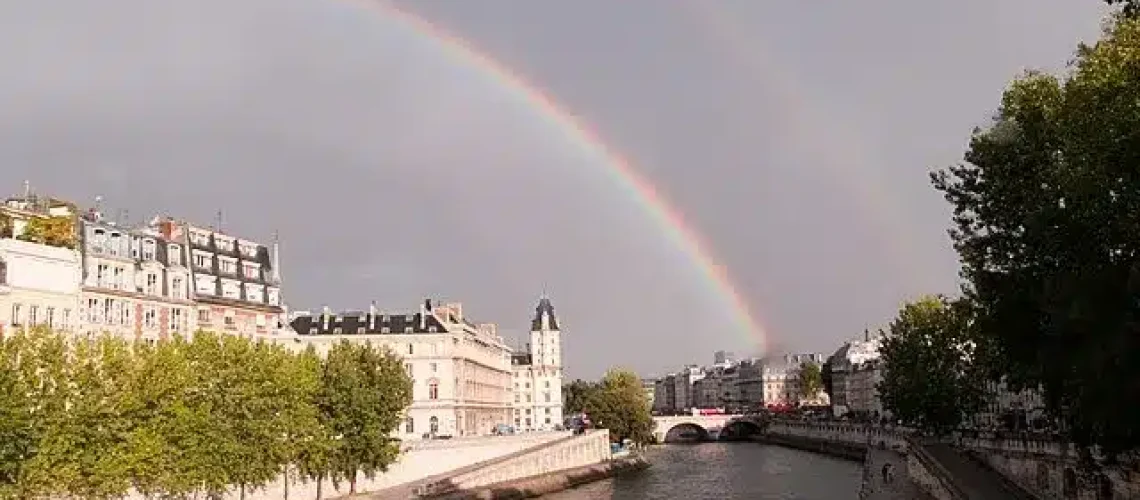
x,y
810,379
5,225
364,394
57,231
576,395
619,404
1044,222
305,441
1128,7
930,379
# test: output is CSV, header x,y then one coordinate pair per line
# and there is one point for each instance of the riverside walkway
x,y
974,480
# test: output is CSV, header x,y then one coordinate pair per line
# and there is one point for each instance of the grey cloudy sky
x,y
795,136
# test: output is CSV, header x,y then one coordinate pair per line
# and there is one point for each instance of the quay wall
x,y
419,460
574,452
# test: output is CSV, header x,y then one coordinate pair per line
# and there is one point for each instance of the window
x,y
108,308
3,272
148,250
410,425
203,260
411,349
102,274
546,395
125,314
176,289
175,320
547,384
273,296
249,271
150,317
151,284
92,312
528,399
433,424
33,313
227,266
260,321
434,367
117,278
174,255
203,315
433,390
408,368
548,413
65,321
231,290
517,398
116,243
230,322
16,314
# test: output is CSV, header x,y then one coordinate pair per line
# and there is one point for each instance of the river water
x,y
722,471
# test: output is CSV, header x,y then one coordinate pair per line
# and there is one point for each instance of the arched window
x,y
433,389
410,425
433,424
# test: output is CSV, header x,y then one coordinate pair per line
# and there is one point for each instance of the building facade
x,y
234,282
780,379
461,371
537,373
854,372
39,282
136,284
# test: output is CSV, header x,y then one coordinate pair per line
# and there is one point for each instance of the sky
x,y
794,137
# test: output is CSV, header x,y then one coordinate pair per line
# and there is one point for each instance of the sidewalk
x,y
977,481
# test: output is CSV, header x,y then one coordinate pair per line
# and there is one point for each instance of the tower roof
x,y
545,308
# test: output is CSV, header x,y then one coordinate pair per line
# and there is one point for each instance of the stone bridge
x,y
704,427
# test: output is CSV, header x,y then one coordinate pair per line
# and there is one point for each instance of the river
x,y
723,471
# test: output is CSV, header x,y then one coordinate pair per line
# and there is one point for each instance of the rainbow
x,y
622,170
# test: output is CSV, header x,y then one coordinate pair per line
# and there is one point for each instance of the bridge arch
x,y
740,430
686,432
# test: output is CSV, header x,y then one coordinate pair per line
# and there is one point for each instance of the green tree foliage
x,y
619,403
58,231
810,379
364,392
931,379
97,418
1045,224
5,225
577,394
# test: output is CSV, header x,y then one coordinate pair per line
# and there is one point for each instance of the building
x,y
683,380
537,373
461,371
235,282
1012,410
39,264
724,358
664,395
750,384
780,379
649,385
136,284
852,371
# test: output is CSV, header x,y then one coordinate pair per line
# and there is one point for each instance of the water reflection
x,y
718,471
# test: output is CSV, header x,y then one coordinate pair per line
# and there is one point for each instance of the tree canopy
x,y
188,417
931,379
1045,223
810,380
618,403
576,395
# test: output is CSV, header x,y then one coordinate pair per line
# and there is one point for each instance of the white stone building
x,y
537,374
854,373
780,379
461,371
39,283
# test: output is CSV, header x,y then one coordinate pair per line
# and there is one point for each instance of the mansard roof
x,y
545,307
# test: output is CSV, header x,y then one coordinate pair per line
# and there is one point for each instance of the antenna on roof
x,y
218,227
27,190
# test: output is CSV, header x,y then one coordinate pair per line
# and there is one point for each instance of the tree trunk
x,y
241,491
320,482
352,485
286,497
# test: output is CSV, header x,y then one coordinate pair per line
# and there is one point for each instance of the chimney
x,y
424,313
325,313
372,316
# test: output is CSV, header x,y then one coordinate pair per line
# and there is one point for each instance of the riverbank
x,y
553,482
852,452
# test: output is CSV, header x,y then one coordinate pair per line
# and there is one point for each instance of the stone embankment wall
x,y
1048,469
553,482
591,448
421,460
858,442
